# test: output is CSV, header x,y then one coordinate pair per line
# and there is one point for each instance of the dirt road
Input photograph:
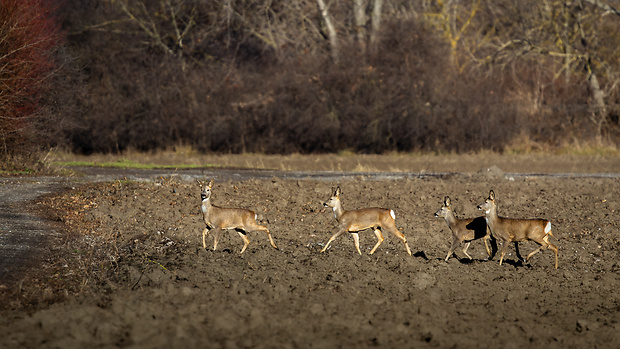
x,y
136,274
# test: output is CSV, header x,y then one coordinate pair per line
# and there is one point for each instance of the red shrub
x,y
29,34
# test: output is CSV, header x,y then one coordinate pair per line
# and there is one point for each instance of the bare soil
x,y
131,271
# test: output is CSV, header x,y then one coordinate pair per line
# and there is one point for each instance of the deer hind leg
x,y
545,244
246,241
465,250
380,239
356,240
264,229
401,236
340,232
551,246
270,237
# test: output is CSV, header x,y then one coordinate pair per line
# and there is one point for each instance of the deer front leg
x,y
465,250
503,251
455,243
486,244
205,232
380,239
217,232
340,232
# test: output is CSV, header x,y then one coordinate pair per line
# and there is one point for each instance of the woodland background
x,y
307,76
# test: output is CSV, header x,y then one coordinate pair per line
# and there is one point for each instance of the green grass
x,y
125,163
17,172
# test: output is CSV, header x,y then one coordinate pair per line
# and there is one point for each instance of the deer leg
x,y
270,238
380,240
264,229
517,252
205,232
545,244
555,251
356,240
465,250
455,243
246,241
494,248
340,232
532,253
486,239
217,232
402,238
503,252
552,246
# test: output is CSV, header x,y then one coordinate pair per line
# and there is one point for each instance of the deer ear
x,y
492,195
211,183
446,201
337,193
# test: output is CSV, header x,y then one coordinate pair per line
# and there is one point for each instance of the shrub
x,y
29,35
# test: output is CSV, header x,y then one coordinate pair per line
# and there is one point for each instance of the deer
x,y
508,230
218,219
357,220
464,230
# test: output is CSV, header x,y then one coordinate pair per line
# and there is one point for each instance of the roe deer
x,y
357,220
466,230
514,230
218,219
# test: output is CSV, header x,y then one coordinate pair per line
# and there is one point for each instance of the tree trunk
x,y
331,30
360,23
376,23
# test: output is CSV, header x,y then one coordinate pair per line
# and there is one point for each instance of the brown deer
x,y
464,230
218,219
358,220
508,230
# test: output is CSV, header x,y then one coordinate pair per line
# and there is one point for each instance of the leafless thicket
x,y
324,76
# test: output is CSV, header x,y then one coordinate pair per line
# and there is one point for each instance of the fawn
x,y
218,219
357,220
508,230
466,230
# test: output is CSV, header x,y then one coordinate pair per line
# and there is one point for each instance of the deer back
x,y
230,218
367,218
520,229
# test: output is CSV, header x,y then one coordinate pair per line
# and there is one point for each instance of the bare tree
x,y
180,23
570,33
331,30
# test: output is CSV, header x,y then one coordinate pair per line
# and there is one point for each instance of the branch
x,y
604,6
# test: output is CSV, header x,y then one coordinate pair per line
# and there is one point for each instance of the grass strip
x,y
128,164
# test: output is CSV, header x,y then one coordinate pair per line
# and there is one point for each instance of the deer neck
x,y
338,210
491,217
206,207
451,218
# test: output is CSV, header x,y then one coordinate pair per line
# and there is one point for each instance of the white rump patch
x,y
393,214
256,216
548,228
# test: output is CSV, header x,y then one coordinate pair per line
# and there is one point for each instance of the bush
x,y
29,36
